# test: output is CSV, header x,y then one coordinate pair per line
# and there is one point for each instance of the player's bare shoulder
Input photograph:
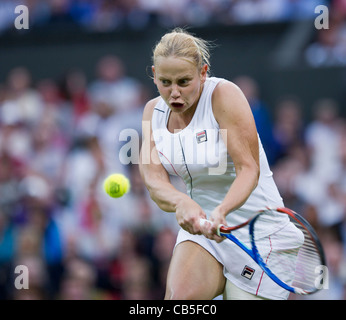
x,y
228,99
226,91
149,108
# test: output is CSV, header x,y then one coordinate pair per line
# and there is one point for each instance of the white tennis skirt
x,y
241,269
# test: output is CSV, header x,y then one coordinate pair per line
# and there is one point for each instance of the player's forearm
x,y
165,195
161,191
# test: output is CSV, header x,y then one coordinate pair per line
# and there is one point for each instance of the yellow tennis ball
x,y
116,185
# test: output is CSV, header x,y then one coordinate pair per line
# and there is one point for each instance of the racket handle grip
x,y
203,222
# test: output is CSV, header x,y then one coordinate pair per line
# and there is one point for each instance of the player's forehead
x,y
175,67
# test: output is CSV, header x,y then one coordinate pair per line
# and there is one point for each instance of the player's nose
x,y
175,93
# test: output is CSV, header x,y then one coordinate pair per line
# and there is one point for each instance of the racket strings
x,y
294,258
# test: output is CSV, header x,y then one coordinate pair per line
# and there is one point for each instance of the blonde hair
x,y
180,43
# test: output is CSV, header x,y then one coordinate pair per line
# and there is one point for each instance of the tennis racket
x,y
297,267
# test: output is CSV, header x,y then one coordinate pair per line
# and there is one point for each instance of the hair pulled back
x,y
181,44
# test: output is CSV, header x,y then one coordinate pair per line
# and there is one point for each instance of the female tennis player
x,y
202,130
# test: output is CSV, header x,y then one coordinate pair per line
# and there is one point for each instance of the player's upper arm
x,y
149,161
233,113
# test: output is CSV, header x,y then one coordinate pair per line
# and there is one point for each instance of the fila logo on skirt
x,y
248,272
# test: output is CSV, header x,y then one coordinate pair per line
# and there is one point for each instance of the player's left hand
x,y
210,229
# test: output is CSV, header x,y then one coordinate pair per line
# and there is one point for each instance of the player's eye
x,y
165,82
183,82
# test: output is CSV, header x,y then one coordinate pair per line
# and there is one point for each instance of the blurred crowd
x,y
325,48
107,15
58,142
59,139
328,46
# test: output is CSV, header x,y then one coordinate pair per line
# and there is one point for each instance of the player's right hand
x,y
188,214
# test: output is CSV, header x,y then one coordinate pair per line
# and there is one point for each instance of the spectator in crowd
x,y
261,115
22,103
113,84
288,127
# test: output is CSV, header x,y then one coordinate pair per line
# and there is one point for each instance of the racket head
x,y
293,257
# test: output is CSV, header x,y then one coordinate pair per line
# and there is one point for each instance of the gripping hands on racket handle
x,y
222,230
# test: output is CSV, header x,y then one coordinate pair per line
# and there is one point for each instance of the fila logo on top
x,y
248,272
201,136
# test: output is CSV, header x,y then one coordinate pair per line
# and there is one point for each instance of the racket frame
x,y
226,231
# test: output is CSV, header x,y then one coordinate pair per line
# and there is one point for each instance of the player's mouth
x,y
177,105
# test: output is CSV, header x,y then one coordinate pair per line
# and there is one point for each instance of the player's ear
x,y
204,73
154,74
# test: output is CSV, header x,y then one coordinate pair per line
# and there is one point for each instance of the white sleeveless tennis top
x,y
199,156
